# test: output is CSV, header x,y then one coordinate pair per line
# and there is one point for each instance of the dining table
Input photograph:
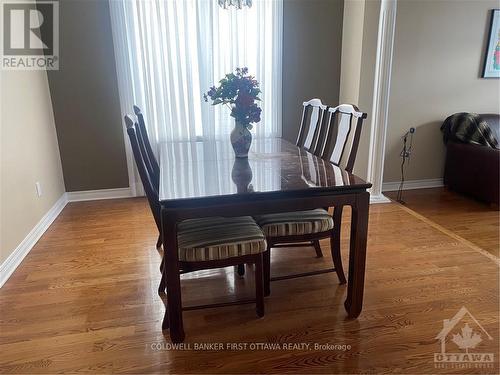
x,y
204,178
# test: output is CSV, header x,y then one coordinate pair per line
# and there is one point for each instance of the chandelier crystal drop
x,y
235,3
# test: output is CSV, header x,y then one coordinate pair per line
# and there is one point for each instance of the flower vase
x,y
241,175
241,139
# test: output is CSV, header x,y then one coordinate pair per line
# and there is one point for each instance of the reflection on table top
x,y
209,168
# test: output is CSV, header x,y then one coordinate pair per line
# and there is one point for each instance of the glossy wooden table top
x,y
191,170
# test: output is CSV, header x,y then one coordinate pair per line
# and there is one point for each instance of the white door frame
x,y
381,93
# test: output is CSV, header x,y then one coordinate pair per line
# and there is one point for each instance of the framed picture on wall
x,y
491,67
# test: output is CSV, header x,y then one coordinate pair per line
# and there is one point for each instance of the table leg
x,y
267,271
172,277
357,255
161,286
335,243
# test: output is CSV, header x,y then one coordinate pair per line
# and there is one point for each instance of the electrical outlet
x,y
38,187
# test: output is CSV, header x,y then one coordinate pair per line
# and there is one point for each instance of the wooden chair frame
x,y
184,267
306,122
148,153
148,156
329,142
324,144
153,168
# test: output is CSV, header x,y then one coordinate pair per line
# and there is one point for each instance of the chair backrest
x,y
340,145
145,146
311,126
147,182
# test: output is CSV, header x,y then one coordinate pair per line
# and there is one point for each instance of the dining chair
x,y
152,166
206,243
311,135
146,150
312,126
150,162
338,143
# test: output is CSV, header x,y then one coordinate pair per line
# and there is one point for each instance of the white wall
x,y
438,57
29,153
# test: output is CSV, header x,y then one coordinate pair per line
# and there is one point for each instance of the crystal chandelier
x,y
236,3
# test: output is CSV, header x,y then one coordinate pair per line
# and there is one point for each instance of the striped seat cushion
x,y
216,238
295,223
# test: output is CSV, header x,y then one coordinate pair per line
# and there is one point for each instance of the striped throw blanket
x,y
468,127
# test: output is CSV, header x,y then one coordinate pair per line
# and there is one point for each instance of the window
x,y
169,52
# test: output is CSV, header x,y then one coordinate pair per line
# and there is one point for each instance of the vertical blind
x,y
168,52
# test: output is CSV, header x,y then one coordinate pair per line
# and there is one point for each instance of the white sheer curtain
x,y
168,52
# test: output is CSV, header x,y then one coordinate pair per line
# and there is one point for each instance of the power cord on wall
x,y
405,155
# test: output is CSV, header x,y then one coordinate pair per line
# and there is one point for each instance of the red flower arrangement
x,y
240,92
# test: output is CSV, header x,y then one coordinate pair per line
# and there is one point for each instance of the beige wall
x,y
438,55
85,98
359,53
312,39
352,49
29,153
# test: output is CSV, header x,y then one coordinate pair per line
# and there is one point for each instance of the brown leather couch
x,y
472,169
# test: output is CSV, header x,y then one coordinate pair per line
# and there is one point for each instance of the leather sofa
x,y
474,170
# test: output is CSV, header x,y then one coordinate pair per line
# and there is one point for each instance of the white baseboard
x,y
413,184
16,257
92,195
381,198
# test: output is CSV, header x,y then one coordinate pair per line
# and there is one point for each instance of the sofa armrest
x,y
473,170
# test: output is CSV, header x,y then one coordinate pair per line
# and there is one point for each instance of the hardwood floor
x,y
472,220
84,300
